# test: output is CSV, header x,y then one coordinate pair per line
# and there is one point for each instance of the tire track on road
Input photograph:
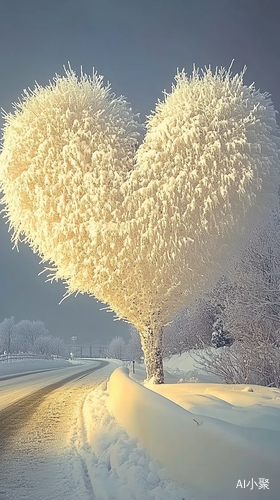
x,y
37,457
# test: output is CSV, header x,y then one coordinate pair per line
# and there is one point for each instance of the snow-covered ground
x,y
198,440
182,440
38,425
184,369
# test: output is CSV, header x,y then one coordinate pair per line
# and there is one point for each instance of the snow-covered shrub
x,y
144,230
243,363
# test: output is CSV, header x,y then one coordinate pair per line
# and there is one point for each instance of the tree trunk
x,y
152,347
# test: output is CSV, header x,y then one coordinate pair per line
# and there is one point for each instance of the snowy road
x,y
39,415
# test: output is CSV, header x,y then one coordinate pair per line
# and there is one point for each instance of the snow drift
x,y
207,454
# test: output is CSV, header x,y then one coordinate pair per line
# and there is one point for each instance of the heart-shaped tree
x,y
142,225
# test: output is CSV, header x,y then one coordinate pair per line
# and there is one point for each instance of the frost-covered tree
x,y
43,345
142,225
220,337
29,337
201,323
253,307
251,312
26,333
176,334
134,348
190,329
7,335
217,299
117,348
58,347
47,345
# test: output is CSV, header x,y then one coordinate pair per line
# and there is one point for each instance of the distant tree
x,y
190,329
49,346
134,348
253,309
220,337
29,337
27,332
176,334
117,348
201,323
7,334
251,312
217,298
58,347
144,227
43,345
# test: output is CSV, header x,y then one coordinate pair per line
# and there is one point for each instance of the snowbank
x,y
118,466
207,454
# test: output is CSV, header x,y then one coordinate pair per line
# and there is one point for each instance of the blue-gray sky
x,y
137,45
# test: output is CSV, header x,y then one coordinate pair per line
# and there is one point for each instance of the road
x,y
39,423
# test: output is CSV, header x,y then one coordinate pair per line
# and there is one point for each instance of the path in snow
x,y
37,460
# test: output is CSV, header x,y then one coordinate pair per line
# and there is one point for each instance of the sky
x,y
137,45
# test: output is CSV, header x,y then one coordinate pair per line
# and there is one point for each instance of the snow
x,y
196,440
31,365
184,367
187,440
38,426
20,378
119,466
